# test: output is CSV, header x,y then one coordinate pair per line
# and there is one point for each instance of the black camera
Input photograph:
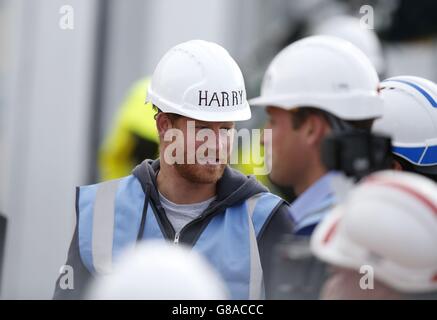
x,y
357,153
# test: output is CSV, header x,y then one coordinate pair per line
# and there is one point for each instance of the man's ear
x,y
397,166
163,123
316,129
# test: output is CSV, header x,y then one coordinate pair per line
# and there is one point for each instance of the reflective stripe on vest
x,y
109,217
102,234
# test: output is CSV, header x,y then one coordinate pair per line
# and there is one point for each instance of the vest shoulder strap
x,y
96,206
261,207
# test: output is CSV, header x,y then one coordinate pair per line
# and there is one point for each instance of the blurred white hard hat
x,y
350,28
323,72
159,271
410,117
389,221
199,80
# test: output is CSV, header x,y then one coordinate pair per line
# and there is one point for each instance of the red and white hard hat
x,y
389,221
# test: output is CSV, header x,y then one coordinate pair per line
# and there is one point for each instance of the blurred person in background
x,y
409,32
410,117
381,241
160,271
229,218
133,136
349,28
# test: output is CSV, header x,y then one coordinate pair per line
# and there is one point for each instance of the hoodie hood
x,y
233,186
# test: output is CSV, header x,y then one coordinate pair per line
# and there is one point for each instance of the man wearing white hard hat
x,y
410,117
381,241
313,87
186,197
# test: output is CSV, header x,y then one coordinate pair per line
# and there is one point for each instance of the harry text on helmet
x,y
220,99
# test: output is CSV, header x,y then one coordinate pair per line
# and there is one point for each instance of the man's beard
x,y
201,173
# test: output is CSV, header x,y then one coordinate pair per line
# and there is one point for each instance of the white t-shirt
x,y
181,214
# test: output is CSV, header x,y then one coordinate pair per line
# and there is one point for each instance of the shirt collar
x,y
312,197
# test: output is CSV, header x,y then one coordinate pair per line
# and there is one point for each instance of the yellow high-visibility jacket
x,y
133,136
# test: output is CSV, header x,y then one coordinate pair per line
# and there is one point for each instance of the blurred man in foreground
x,y
382,240
159,271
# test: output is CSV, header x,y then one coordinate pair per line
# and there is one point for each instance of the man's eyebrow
x,y
201,123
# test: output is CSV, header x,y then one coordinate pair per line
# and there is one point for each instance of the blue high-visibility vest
x,y
109,218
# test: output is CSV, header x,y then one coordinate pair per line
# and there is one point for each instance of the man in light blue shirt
x,y
311,206
312,88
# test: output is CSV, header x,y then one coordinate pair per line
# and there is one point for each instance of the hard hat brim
x,y
241,113
220,116
351,106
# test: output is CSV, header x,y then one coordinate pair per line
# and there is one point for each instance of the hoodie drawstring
x,y
143,216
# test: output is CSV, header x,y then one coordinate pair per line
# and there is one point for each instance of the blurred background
x,y
67,67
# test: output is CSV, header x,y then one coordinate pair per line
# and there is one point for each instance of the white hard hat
x,y
160,271
410,117
349,28
322,72
199,80
388,222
